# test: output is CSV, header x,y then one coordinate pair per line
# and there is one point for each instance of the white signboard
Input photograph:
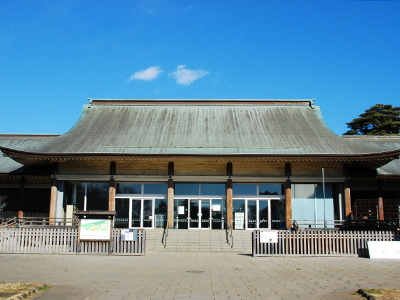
x,y
129,235
95,229
270,236
384,249
239,220
181,210
216,207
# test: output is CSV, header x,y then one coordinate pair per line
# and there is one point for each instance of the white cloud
x,y
148,74
185,76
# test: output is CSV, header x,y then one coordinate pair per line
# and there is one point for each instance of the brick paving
x,y
202,275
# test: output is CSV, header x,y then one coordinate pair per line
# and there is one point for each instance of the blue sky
x,y
56,54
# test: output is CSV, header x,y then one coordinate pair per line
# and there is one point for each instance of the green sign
x,y
95,229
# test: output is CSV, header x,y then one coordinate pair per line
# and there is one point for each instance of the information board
x,y
95,229
384,249
239,220
270,236
129,235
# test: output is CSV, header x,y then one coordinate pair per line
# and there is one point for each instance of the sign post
x,y
95,226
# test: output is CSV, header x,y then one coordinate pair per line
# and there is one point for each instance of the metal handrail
x,y
9,223
229,234
165,235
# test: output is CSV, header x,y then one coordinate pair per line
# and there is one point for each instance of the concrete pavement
x,y
203,275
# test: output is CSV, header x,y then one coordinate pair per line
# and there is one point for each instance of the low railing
x,y
38,221
319,224
374,224
320,242
65,241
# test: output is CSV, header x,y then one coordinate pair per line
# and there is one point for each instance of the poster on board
x,y
95,229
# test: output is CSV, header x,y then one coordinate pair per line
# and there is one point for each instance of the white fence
x,y
320,242
65,241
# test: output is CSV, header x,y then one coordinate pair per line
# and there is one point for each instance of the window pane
x,y
251,213
217,213
238,207
213,189
303,191
181,214
75,194
161,211
97,196
244,189
136,212
122,210
129,188
270,189
156,188
320,191
263,214
187,189
278,214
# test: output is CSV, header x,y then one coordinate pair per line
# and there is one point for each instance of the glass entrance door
x,y
141,213
199,214
251,213
205,214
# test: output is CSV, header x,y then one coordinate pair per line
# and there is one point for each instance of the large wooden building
x,y
202,164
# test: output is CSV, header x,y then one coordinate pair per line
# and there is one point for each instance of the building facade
x,y
202,164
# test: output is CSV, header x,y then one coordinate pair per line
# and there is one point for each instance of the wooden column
x,y
229,204
53,198
288,193
111,189
21,198
381,215
171,192
229,195
170,220
288,203
347,194
347,199
111,195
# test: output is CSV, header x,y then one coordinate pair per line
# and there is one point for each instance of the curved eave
x,y
22,155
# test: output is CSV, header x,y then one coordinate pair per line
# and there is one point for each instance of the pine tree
x,y
380,119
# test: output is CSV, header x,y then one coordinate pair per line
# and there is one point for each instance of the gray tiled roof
x,y
206,127
21,142
385,142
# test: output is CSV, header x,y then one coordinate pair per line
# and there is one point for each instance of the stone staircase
x,y
198,241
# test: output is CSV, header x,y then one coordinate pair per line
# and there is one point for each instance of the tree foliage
x,y
380,119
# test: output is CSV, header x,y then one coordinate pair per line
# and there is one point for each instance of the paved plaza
x,y
203,275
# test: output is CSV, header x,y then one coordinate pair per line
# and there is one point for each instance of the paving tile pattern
x,y
202,275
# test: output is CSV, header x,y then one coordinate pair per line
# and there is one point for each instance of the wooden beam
x,y
113,168
229,169
171,169
288,170
170,218
229,204
53,198
288,203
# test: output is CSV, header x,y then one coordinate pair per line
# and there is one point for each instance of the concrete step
x,y
198,240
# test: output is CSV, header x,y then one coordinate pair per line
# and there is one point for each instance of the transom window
x,y
255,189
